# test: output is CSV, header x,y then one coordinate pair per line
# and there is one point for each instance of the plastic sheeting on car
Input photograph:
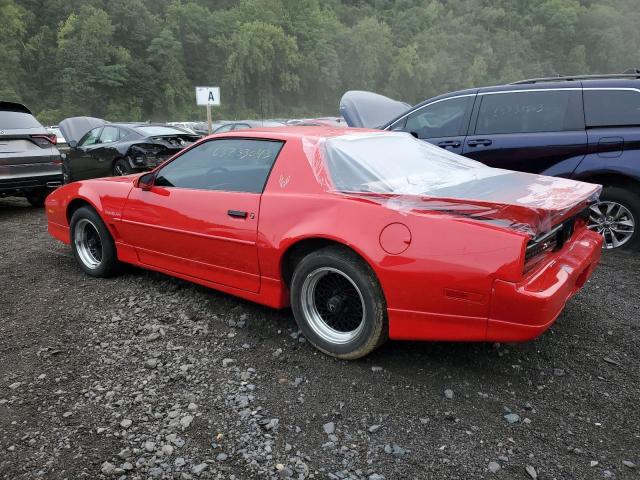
x,y
409,175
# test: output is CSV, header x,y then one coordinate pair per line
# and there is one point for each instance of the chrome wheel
x,y
613,221
333,305
88,243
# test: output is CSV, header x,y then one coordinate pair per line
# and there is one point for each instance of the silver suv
x,y
30,164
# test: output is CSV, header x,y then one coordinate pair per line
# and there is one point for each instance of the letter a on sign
x,y
208,96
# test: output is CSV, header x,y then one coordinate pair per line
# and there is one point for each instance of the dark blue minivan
x,y
586,128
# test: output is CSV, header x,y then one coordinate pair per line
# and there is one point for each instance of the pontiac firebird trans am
x,y
367,235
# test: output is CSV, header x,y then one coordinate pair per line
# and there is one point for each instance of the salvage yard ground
x,y
147,376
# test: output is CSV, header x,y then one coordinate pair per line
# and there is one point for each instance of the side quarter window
x,y
445,118
232,165
611,108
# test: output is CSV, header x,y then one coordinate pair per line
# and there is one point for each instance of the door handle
x,y
485,142
449,143
237,213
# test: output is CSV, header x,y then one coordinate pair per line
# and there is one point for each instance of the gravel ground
x,y
145,376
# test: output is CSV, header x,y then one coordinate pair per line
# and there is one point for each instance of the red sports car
x,y
367,235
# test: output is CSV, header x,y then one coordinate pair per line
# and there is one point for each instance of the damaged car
x,y
584,127
367,235
101,149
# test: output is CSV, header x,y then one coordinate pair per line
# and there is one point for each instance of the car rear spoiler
x,y
370,110
14,107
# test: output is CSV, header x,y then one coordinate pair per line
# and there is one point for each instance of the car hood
x,y
74,128
370,110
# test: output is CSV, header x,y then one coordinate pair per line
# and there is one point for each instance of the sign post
x,y
207,96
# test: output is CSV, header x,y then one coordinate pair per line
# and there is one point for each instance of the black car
x,y
582,127
102,149
30,164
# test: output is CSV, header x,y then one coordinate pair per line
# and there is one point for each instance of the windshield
x,y
398,163
159,130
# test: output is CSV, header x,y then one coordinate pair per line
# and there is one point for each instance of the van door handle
x,y
485,142
449,143
237,213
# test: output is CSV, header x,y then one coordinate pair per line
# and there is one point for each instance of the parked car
x,y
350,229
586,128
30,164
100,149
245,124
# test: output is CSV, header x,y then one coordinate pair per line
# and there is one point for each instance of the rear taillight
x,y
551,241
45,140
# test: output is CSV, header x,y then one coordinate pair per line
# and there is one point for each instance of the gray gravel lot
x,y
145,376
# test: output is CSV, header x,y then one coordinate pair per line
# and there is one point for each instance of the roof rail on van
x,y
633,73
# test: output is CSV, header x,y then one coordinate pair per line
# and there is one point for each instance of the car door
x,y
443,122
200,217
534,130
80,160
104,152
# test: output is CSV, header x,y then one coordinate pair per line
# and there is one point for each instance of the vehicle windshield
x,y
160,130
397,163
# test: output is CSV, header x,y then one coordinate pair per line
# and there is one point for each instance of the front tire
x,y
338,303
92,244
617,218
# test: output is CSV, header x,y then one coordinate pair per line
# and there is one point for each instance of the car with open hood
x,y
30,163
367,235
98,148
582,127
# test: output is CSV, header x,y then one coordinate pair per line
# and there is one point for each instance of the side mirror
x,y
73,144
145,182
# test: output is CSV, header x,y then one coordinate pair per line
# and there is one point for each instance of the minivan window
x,y
16,120
530,112
610,108
445,118
232,165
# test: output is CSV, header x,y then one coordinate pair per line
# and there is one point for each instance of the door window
x,y
233,165
611,108
109,134
530,112
90,138
446,118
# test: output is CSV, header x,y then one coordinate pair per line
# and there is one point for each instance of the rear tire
x,y
121,167
338,303
92,244
37,197
617,213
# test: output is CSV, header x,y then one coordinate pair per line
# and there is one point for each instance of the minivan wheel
x,y
92,244
338,303
37,197
617,218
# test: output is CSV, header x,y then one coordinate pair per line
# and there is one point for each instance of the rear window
x,y
153,131
17,120
610,108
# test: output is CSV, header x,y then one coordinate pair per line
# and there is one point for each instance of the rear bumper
x,y
522,311
30,176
